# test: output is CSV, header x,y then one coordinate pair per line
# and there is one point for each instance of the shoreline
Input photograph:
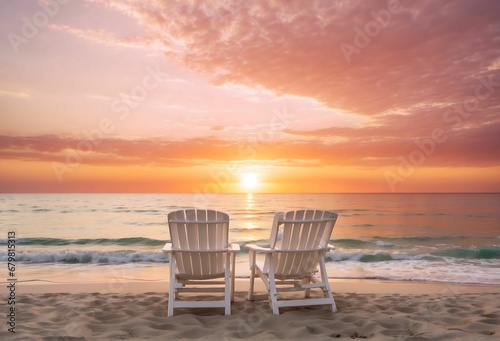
x,y
365,286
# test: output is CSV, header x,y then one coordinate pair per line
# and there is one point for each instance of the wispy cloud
x,y
107,38
428,57
479,148
15,94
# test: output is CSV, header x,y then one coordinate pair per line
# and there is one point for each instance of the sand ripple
x,y
144,316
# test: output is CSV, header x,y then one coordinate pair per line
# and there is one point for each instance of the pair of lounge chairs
x,y
200,256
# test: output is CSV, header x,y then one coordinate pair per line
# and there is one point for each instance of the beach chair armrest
x,y
256,248
167,248
252,254
200,251
331,247
234,247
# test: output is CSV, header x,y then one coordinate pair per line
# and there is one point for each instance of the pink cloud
x,y
433,66
420,55
477,146
425,59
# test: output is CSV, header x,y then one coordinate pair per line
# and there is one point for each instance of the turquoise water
x,y
413,237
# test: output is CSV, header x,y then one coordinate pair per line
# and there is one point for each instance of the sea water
x,y
79,238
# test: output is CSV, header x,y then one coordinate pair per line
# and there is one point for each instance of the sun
x,y
249,181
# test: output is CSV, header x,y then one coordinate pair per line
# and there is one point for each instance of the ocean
x,y
84,238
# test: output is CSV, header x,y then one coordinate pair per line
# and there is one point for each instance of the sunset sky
x,y
305,96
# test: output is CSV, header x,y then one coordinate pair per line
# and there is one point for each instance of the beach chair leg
x,y
307,293
273,298
326,289
233,275
227,287
252,275
273,292
251,286
172,292
334,306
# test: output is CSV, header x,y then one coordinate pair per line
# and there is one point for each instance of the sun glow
x,y
249,181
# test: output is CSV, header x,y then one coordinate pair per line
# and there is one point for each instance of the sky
x,y
281,96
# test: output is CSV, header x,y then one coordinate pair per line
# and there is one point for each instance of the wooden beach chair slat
x,y
199,254
296,259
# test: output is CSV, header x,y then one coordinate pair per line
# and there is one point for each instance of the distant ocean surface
x,y
78,238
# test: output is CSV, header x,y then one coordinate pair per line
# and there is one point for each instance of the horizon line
x,y
246,193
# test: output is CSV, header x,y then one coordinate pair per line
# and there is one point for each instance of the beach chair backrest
x,y
302,230
194,230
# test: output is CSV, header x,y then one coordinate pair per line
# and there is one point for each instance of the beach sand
x,y
371,309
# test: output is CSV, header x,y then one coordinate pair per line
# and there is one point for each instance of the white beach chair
x,y
199,254
294,261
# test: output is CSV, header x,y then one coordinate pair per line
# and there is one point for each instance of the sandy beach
x,y
371,309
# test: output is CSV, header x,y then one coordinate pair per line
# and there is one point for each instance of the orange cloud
x,y
367,147
420,85
426,69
